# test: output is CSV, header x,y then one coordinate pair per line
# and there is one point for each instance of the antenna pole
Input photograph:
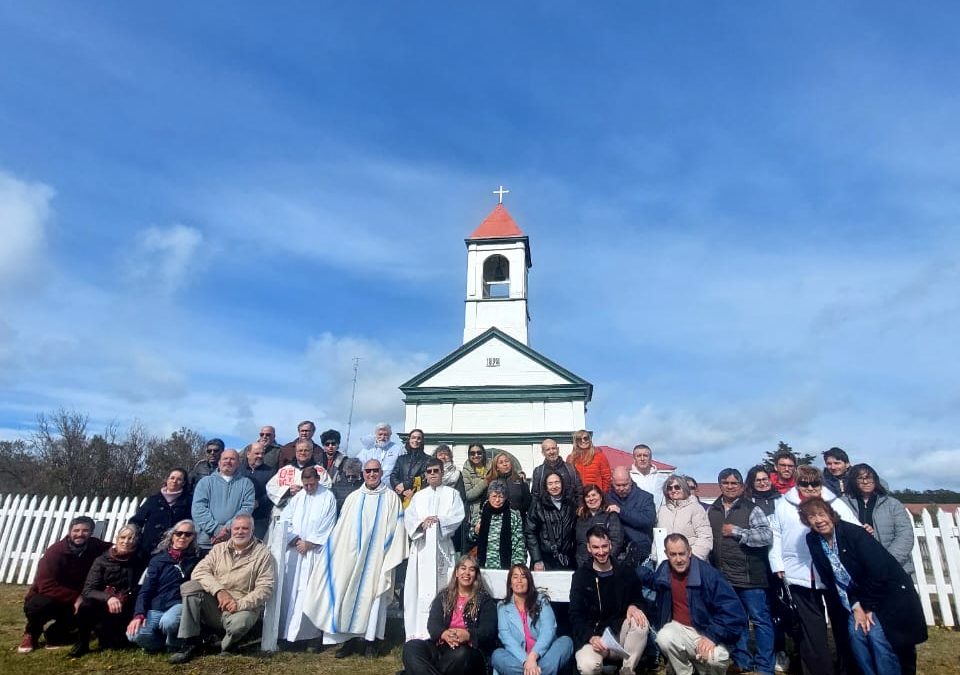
x,y
353,398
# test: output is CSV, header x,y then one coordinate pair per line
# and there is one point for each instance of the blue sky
x,y
743,216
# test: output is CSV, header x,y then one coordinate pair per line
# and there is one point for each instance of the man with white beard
x,y
351,586
431,519
383,450
305,526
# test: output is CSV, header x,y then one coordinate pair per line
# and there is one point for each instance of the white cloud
x,y
923,467
381,370
162,257
24,214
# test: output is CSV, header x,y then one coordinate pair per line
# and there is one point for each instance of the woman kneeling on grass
x,y
462,626
156,615
528,630
108,594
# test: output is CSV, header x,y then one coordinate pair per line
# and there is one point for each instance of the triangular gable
x,y
525,367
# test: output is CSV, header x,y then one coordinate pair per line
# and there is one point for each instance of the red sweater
x,y
596,472
60,574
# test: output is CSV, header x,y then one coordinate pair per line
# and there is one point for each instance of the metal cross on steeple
x,y
500,193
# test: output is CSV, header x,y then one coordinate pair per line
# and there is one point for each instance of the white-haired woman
x,y
156,614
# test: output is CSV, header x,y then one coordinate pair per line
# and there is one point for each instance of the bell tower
x,y
498,258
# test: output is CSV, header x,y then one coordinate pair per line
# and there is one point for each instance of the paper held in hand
x,y
610,642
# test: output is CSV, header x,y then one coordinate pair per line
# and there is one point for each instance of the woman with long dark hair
x,y
759,489
885,621
160,511
518,492
593,511
551,526
882,516
528,630
462,627
156,614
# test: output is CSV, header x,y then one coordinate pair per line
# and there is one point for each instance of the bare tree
x,y
60,443
182,449
19,469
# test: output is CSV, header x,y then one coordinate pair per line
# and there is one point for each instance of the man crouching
x,y
228,591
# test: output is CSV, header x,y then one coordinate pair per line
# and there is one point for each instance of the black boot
x,y
80,648
349,648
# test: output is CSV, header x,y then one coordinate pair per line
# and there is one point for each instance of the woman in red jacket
x,y
589,462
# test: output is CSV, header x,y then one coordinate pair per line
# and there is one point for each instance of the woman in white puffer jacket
x,y
790,560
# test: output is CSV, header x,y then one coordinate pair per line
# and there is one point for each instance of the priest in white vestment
x,y
287,481
431,519
352,583
306,524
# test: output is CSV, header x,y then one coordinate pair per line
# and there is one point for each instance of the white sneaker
x,y
782,663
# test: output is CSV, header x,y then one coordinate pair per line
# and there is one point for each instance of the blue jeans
x,y
754,601
159,630
872,650
559,653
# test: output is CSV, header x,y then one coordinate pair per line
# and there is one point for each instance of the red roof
x,y
498,225
618,457
707,491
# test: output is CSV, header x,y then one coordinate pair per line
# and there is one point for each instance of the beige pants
x,y
634,641
679,643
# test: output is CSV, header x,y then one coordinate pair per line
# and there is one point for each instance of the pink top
x,y
528,638
456,619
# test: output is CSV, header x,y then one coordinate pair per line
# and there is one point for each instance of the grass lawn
x,y
939,656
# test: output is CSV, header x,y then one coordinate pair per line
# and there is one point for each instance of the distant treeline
x,y
62,457
939,496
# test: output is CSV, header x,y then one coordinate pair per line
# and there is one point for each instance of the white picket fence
x,y
29,524
936,555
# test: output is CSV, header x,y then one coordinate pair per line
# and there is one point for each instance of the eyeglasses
x,y
210,451
476,453
581,439
674,487
183,534
433,471
865,479
808,483
371,470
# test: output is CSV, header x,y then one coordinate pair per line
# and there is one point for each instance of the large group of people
x,y
313,546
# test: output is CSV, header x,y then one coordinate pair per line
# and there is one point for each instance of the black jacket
x,y
409,467
551,533
155,516
878,583
518,494
571,480
483,627
599,602
113,577
609,520
259,477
